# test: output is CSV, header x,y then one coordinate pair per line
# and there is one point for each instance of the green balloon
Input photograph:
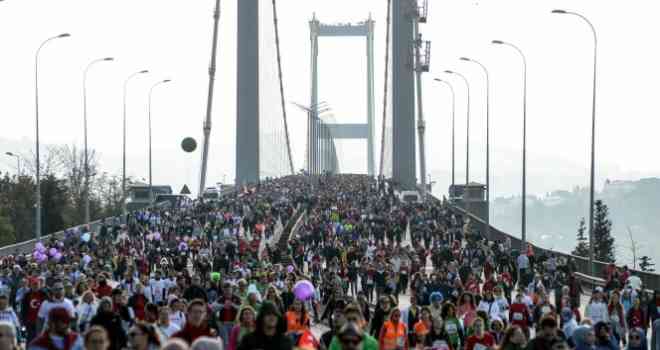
x,y
215,276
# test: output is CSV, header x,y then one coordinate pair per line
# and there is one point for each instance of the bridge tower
x,y
336,131
247,108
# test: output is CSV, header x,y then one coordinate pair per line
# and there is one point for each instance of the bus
x,y
139,196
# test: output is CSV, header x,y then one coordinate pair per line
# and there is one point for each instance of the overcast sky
x,y
172,39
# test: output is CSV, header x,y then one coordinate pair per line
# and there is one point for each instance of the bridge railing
x,y
650,280
27,247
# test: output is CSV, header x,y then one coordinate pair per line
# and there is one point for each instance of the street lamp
x,y
150,92
453,129
467,144
18,159
593,138
524,150
123,172
37,226
483,67
87,218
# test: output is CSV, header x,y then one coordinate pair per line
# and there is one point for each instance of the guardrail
x,y
27,247
651,280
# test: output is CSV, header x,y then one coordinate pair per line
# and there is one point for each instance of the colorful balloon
x,y
303,290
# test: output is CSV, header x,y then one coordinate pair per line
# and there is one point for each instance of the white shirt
x,y
635,282
169,329
45,308
178,318
523,262
85,312
157,290
597,312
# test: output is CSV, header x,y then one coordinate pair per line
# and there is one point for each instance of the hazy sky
x,y
172,39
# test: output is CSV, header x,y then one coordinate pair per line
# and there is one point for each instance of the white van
x,y
409,196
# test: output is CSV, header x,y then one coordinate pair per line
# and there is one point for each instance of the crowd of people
x,y
386,274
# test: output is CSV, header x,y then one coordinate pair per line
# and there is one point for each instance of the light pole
x,y
37,226
123,171
524,150
467,144
593,139
453,129
151,193
483,67
18,159
87,218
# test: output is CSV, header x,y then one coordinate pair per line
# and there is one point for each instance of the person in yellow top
x,y
393,334
297,319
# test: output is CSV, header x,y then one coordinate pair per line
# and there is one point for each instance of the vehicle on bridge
x,y
141,195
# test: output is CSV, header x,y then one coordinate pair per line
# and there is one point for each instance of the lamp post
x,y
467,144
453,129
524,146
123,171
593,138
87,218
151,193
18,160
37,226
483,67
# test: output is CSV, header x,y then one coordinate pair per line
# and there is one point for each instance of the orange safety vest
x,y
294,323
395,336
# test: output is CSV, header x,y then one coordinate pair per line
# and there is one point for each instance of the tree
x,y
602,234
7,233
646,264
582,248
54,202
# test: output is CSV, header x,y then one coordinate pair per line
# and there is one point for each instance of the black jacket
x,y
112,324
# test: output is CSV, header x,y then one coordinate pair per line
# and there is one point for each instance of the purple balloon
x,y
52,252
57,256
303,290
39,246
41,258
36,254
157,236
290,268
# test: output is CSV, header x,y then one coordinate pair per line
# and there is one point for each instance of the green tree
x,y
54,202
582,248
7,233
602,233
646,264
17,204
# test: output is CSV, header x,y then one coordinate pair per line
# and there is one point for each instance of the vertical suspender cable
x,y
279,71
387,60
209,102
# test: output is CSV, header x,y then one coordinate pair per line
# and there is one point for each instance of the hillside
x,y
552,220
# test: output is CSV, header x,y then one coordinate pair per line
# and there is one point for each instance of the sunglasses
x,y
135,334
351,341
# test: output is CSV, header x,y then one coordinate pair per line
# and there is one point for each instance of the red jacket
x,y
189,333
487,340
44,342
519,315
